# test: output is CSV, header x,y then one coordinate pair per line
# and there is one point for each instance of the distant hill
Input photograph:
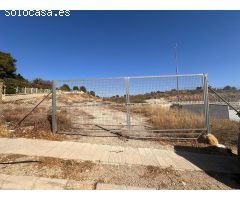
x,y
184,95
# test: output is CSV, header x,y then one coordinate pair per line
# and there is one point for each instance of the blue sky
x,y
125,43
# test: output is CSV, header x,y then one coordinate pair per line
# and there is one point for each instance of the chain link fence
x,y
179,106
133,105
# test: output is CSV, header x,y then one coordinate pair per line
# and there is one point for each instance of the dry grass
x,y
3,131
40,118
71,98
53,167
69,168
137,175
225,130
162,118
152,171
36,125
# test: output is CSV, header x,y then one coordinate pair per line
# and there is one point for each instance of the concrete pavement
x,y
119,155
8,182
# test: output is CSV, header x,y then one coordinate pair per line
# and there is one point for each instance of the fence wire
x,y
132,104
14,107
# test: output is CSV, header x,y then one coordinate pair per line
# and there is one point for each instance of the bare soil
x,y
76,111
139,176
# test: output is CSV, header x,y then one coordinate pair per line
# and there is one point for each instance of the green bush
x,y
11,84
92,93
65,87
10,90
75,88
83,89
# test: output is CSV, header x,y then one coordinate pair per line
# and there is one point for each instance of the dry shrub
x,y
69,169
36,125
163,118
151,172
39,118
3,131
71,98
13,115
63,121
225,130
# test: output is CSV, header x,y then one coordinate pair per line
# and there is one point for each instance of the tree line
x,y
65,87
12,79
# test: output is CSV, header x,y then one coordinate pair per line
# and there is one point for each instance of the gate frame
x,y
54,108
206,103
206,128
1,91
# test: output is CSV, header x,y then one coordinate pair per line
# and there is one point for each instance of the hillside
x,y
184,95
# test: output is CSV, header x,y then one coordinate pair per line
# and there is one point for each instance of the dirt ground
x,y
82,110
77,114
140,176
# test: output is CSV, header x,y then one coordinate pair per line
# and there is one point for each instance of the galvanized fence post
x,y
4,90
128,104
206,103
54,108
1,91
1,96
238,147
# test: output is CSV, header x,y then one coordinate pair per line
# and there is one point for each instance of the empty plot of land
x,y
100,116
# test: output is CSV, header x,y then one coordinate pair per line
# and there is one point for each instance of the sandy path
x,y
99,116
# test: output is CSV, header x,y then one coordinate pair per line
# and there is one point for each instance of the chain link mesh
x,y
136,104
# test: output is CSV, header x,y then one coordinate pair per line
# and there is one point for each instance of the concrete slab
x,y
132,156
49,184
120,155
76,185
105,156
3,177
18,182
43,183
105,186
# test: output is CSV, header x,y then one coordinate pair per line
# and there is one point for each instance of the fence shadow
x,y
222,166
20,162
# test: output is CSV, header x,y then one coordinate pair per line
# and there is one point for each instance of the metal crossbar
x,y
136,77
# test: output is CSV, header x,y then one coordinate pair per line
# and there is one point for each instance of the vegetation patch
x,y
162,118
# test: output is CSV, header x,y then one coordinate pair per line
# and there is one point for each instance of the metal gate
x,y
131,105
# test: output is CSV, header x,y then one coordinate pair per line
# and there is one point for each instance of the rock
x,y
28,128
208,139
221,146
212,140
184,184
